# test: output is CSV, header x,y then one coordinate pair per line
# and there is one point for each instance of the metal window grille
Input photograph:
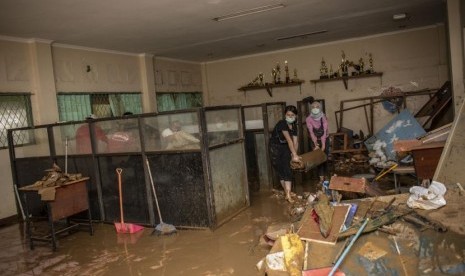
x,y
15,112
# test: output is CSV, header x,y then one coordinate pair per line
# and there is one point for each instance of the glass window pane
x,y
172,132
223,125
39,146
122,135
253,117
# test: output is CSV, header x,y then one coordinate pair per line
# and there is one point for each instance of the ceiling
x,y
184,29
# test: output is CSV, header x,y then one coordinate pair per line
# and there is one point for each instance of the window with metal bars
x,y
15,112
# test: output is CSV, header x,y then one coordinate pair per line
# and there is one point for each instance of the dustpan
x,y
122,227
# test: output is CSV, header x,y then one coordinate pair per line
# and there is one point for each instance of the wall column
x,y
454,26
149,102
44,98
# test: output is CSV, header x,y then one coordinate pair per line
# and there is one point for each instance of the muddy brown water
x,y
232,249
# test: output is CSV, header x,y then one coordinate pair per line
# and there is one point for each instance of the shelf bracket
x,y
345,81
269,90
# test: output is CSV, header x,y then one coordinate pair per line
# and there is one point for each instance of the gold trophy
x,y
273,75
344,65
295,78
278,73
260,76
323,69
370,70
361,66
286,69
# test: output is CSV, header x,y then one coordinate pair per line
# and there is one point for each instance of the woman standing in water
x,y
283,148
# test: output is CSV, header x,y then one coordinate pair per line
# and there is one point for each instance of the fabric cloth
x,y
166,132
279,150
427,198
82,136
179,140
123,141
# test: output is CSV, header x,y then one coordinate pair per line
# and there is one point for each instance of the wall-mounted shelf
x,y
269,86
345,80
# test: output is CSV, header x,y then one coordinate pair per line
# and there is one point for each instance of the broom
x,y
162,228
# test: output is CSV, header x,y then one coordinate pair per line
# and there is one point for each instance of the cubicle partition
x,y
199,171
259,122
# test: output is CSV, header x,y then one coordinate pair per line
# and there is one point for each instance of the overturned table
x,y
69,199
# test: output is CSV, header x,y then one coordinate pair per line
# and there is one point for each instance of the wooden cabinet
x,y
426,159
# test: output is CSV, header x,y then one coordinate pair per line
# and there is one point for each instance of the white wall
x,y
109,72
410,60
177,76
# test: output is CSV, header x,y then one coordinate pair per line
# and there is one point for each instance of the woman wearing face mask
x,y
317,125
283,148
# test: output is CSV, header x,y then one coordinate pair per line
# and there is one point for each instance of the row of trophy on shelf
x,y
344,66
275,76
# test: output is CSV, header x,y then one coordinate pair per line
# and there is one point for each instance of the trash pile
x,y
322,218
53,179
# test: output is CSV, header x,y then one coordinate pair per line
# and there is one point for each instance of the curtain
x,y
177,101
74,107
132,103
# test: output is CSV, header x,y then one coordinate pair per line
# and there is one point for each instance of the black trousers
x,y
281,160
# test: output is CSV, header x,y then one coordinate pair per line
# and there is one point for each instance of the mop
x,y
162,228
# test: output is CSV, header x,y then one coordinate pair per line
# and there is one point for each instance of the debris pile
x,y
53,179
321,219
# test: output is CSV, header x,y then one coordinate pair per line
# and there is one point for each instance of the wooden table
x,y
70,199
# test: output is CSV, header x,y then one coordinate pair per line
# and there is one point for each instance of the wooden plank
x,y
348,184
406,145
310,231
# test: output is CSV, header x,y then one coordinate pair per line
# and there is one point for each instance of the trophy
x,y
344,65
323,69
278,73
286,69
273,75
361,66
331,73
295,78
370,64
260,76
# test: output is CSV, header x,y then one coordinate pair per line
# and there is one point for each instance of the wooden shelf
x,y
345,80
269,86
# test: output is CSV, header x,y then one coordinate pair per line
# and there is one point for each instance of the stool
x,y
402,170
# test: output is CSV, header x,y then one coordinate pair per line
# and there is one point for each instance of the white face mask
x,y
315,111
290,120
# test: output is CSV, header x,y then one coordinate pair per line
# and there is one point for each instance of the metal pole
x,y
338,263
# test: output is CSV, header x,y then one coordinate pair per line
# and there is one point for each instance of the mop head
x,y
164,229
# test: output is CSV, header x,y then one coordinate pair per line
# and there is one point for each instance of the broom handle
x,y
119,171
153,189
